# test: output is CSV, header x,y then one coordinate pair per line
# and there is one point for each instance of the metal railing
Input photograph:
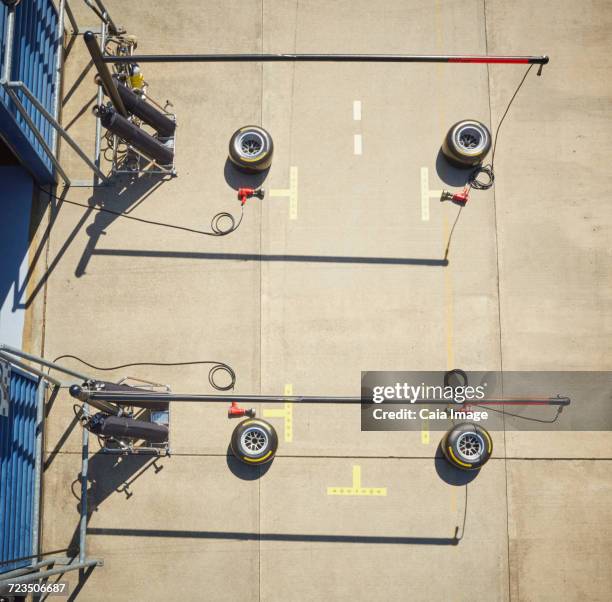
x,y
38,569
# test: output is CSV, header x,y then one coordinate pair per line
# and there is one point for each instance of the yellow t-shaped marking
x,y
357,489
286,413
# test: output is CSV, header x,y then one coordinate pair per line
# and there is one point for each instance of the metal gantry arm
x,y
89,393
328,58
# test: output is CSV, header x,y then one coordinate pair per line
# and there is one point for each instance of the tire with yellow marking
x,y
254,441
251,149
467,446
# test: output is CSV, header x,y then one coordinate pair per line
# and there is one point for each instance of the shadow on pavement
x,y
244,472
274,258
453,176
451,475
237,179
303,537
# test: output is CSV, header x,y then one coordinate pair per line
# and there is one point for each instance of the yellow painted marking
x,y
425,431
286,414
427,194
357,488
291,192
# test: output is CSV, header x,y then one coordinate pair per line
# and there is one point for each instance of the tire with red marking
x,y
467,446
467,143
251,149
254,441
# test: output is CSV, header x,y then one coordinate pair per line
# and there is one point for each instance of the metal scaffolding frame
x,y
39,567
13,88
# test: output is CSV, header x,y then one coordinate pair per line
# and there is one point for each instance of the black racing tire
x,y
251,149
254,441
467,446
467,143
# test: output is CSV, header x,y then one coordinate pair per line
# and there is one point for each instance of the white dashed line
x,y
426,194
357,110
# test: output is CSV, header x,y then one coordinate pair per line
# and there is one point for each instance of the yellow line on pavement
x,y
286,414
425,431
357,488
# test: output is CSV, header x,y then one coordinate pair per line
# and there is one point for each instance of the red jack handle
x,y
247,193
461,198
235,411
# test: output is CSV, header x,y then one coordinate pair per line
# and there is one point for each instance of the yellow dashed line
x,y
286,413
357,489
425,431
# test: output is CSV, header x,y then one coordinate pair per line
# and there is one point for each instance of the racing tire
x,y
467,446
251,149
467,143
254,441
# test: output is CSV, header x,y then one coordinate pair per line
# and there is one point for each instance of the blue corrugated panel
x,y
36,43
17,471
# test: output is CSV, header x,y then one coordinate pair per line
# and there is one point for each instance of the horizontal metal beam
x,y
11,360
58,128
326,58
119,397
39,137
43,362
32,577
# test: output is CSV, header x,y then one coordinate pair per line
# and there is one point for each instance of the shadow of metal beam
x,y
244,536
273,258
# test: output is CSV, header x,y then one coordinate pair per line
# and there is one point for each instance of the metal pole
x,y
112,28
51,572
105,75
99,101
8,45
58,128
84,472
58,68
12,360
7,349
126,397
40,414
33,567
36,133
327,58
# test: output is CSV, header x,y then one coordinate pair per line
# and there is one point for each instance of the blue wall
x,y
35,46
17,472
